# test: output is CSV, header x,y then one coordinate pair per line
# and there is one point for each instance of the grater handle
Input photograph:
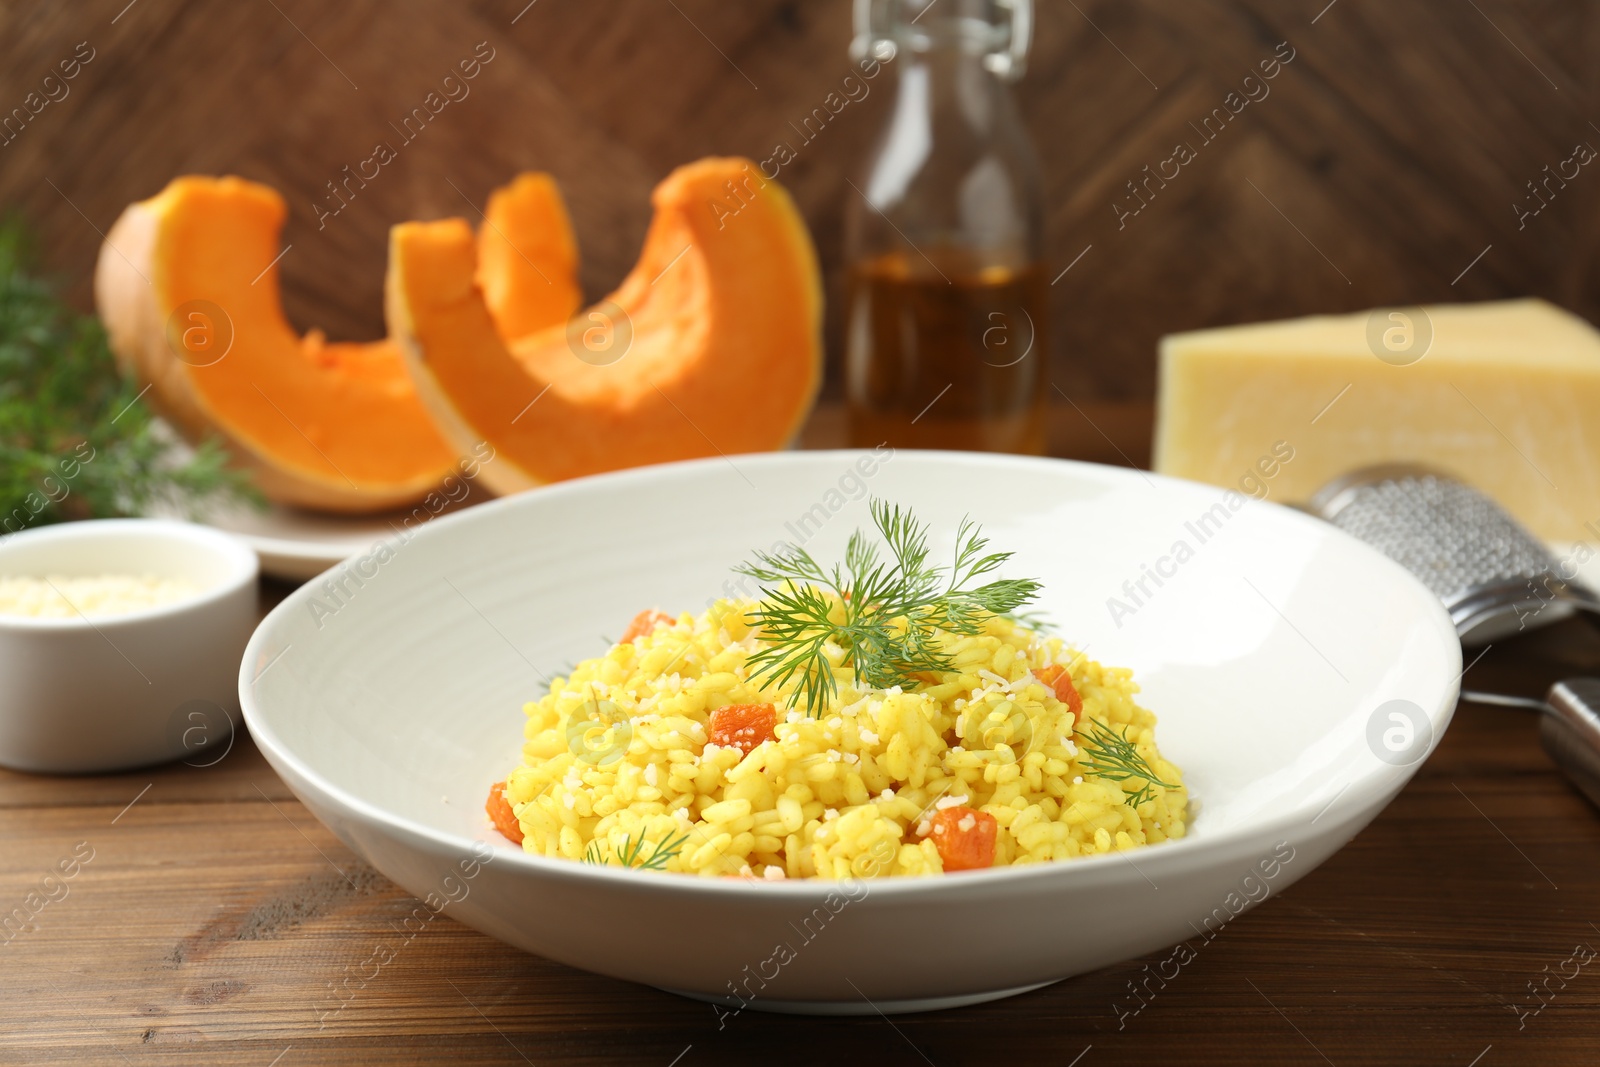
x,y
1570,732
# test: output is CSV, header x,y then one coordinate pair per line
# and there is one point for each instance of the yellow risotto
x,y
664,753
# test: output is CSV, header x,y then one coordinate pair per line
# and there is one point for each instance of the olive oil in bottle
x,y
945,311
954,361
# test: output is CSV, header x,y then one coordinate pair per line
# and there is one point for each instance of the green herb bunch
x,y
75,441
886,615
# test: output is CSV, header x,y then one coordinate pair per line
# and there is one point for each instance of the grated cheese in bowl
x,y
58,596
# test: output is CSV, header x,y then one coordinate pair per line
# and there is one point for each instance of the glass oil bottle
x,y
945,314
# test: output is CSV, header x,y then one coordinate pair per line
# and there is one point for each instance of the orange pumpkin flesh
x,y
527,257
723,307
334,426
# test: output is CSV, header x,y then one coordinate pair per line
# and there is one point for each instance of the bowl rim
x,y
237,557
1376,783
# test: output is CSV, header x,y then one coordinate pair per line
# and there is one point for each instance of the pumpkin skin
x,y
329,426
711,345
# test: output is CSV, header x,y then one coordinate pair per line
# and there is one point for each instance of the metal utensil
x,y
1492,575
1568,729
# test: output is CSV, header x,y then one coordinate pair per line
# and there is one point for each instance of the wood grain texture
x,y
1385,159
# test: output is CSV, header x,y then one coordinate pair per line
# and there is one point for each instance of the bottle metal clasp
x,y
880,29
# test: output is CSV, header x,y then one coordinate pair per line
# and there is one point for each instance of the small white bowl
x,y
1275,649
104,693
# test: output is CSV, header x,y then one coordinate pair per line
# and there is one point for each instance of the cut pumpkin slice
x,y
527,257
711,345
187,286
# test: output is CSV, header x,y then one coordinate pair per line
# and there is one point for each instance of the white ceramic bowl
x,y
388,695
112,692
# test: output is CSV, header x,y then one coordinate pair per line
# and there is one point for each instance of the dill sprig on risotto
x,y
885,616
1110,755
631,854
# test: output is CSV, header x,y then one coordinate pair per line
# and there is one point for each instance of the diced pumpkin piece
x,y
644,624
500,813
964,837
1060,679
743,726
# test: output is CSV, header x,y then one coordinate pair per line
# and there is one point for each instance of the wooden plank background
x,y
1385,160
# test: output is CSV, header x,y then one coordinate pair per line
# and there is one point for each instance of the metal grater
x,y
1494,577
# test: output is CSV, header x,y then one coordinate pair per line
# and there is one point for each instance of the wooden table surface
x,y
213,917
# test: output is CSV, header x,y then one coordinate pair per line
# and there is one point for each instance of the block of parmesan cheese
x,y
1503,395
